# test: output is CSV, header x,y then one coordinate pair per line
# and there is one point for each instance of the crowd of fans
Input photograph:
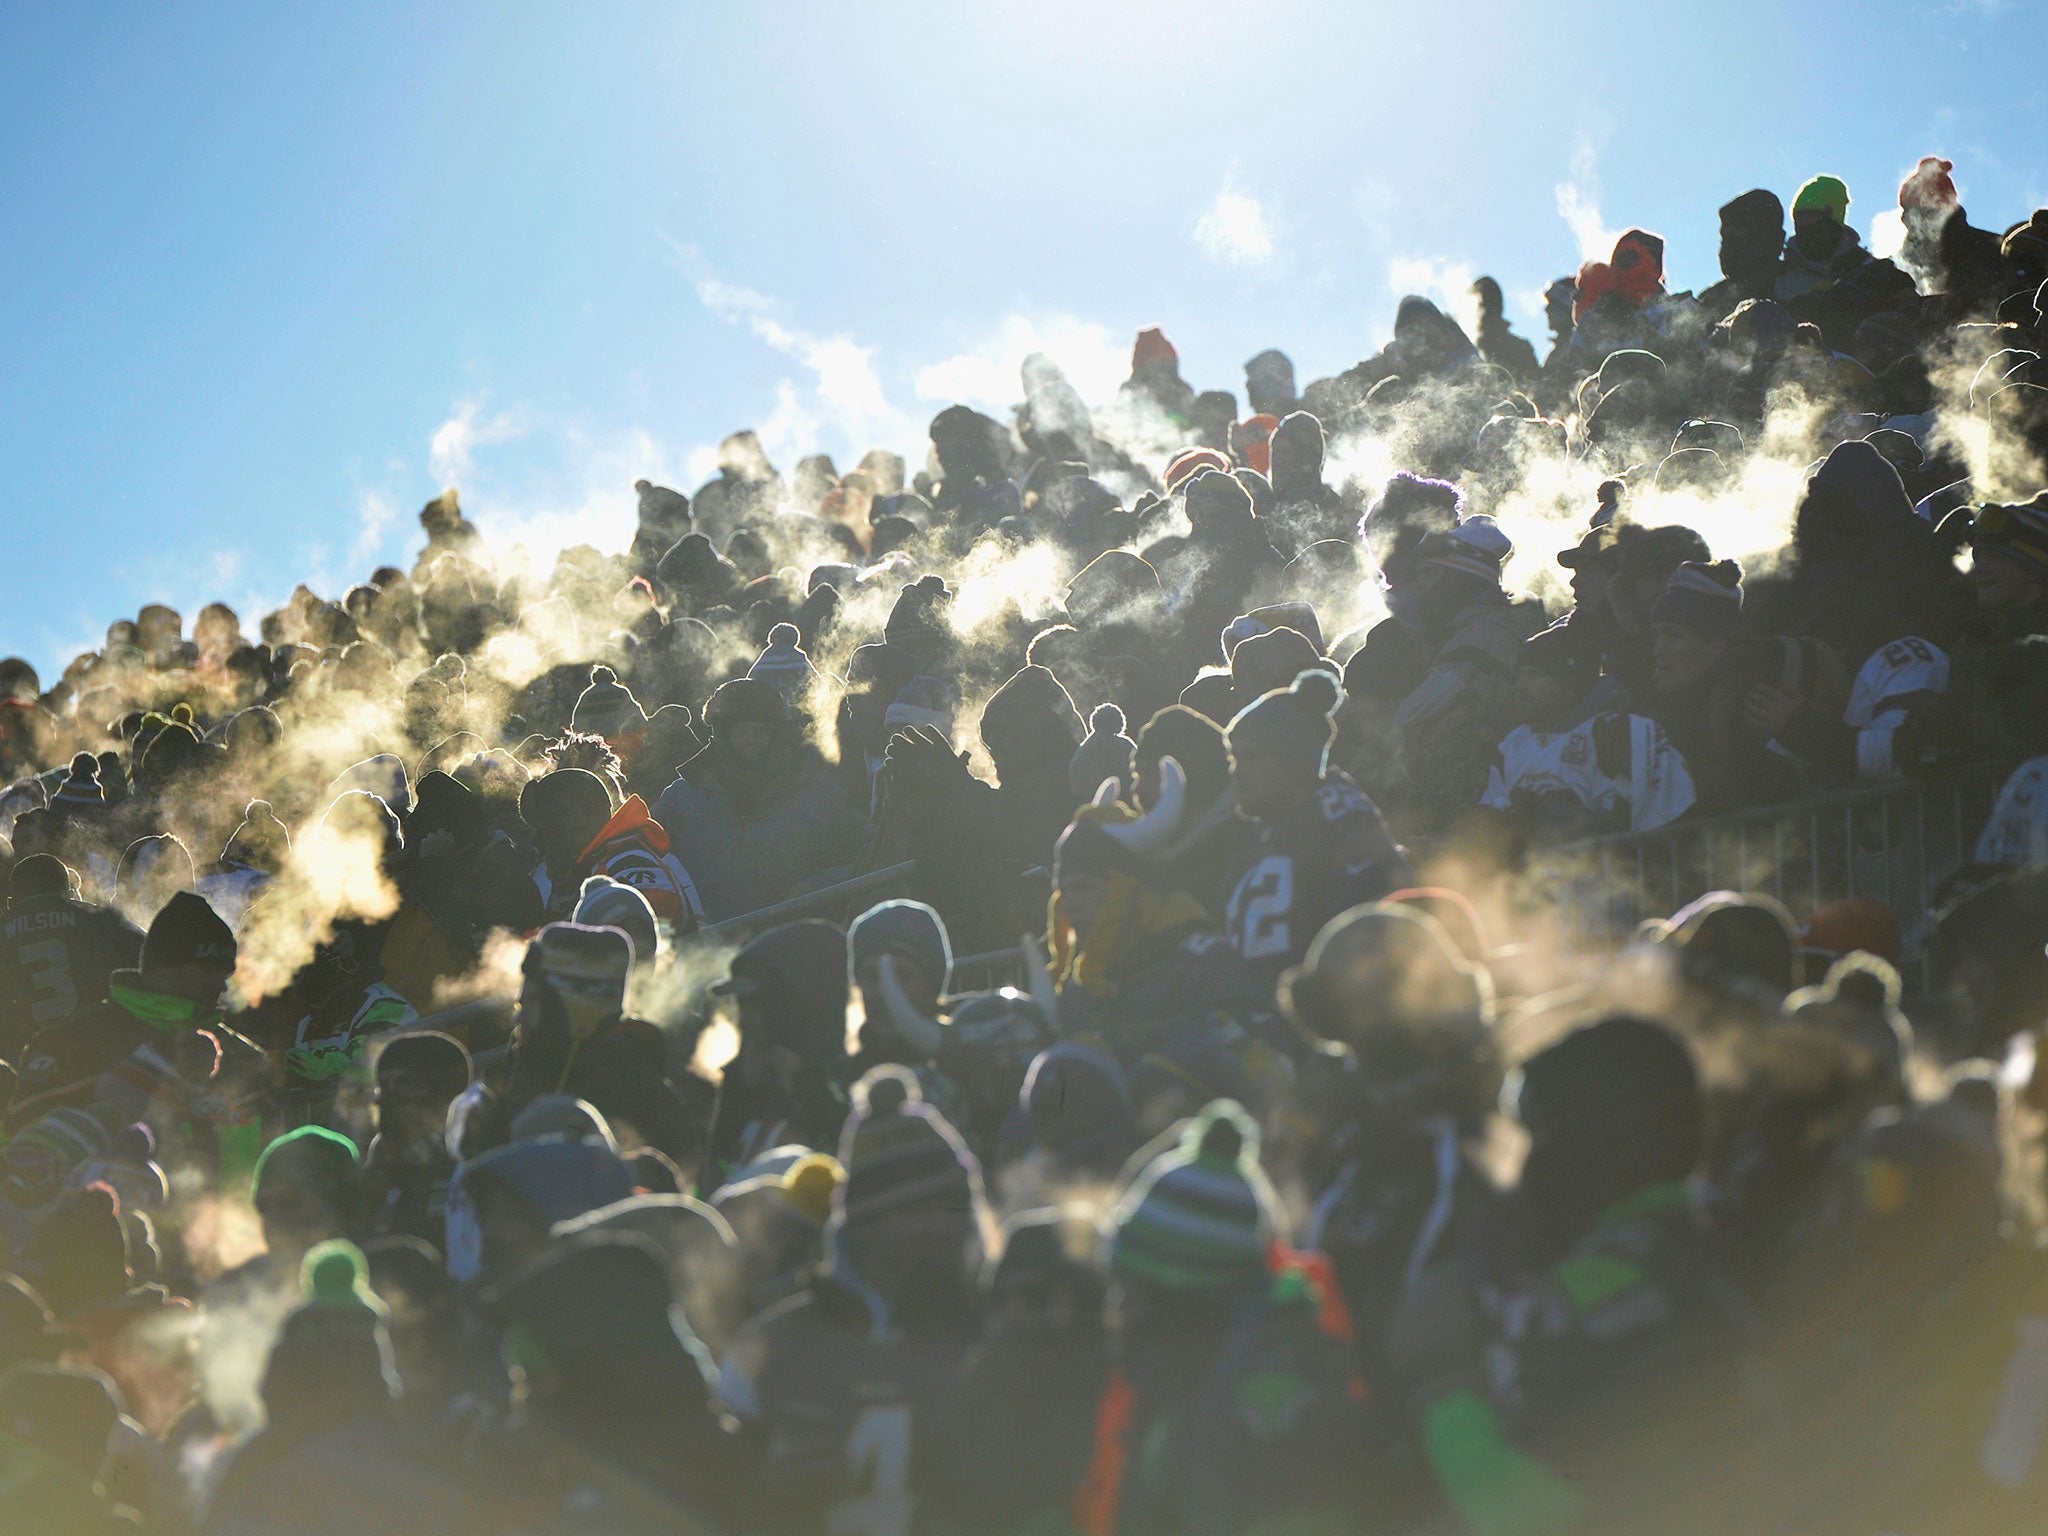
x,y
441,1096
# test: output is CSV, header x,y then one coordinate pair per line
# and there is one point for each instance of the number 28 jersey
x,y
1331,853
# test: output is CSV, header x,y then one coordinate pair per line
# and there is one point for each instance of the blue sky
x,y
275,274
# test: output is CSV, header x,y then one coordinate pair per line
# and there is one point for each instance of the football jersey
x,y
1612,765
1897,676
55,957
1331,853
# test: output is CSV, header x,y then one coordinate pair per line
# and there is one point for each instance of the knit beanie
x,y
607,707
1191,462
314,1159
188,932
80,1253
1758,208
336,1341
586,968
41,1157
1105,753
81,789
898,1151
1272,660
924,700
1195,742
1114,585
784,663
919,613
1200,1215
1823,194
1928,186
906,928
1151,349
2018,531
607,903
1476,547
1706,596
1031,717
1297,722
1299,617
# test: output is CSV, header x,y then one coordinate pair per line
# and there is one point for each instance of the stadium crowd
x,y
485,1052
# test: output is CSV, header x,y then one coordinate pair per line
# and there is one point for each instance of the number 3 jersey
x,y
1332,852
55,957
850,1413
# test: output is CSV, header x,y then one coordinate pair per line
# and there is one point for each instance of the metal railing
x,y
1891,842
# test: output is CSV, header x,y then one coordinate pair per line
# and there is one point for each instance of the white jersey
x,y
1609,763
2017,832
1896,677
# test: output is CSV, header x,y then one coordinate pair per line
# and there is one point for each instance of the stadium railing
x,y
1891,842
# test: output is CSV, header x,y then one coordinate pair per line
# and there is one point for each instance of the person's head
x,y
1820,211
607,903
188,953
1195,742
1752,239
913,937
1644,559
1457,567
1269,383
575,985
1611,1109
1559,300
332,1360
1693,621
307,1189
911,1218
564,810
40,874
1486,292
749,721
1296,455
1189,1232
1279,745
788,987
1030,727
1385,991
1592,562
419,1073
1408,509
1552,677
2009,563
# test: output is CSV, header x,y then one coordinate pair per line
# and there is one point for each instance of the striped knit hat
x,y
899,1151
1702,595
1199,1216
81,789
784,663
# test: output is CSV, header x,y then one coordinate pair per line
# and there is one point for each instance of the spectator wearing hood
x,y
1496,340
1752,252
1828,278
757,812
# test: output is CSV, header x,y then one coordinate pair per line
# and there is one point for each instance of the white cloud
x,y
1578,204
1094,360
848,391
375,513
1234,228
455,441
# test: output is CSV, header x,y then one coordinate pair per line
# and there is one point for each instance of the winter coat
x,y
55,957
633,848
788,828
